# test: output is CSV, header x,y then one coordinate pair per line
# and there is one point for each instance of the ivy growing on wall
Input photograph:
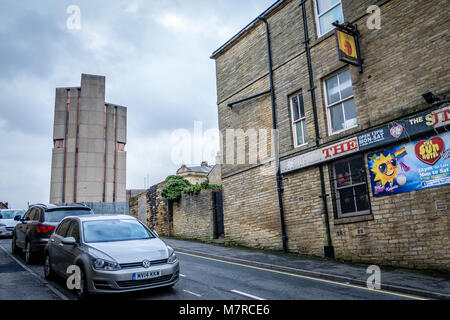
x,y
175,186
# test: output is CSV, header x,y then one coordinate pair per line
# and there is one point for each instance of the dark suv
x,y
37,225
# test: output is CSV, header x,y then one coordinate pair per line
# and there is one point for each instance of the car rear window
x,y
10,214
58,215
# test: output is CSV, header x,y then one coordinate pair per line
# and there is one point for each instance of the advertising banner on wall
x,y
414,166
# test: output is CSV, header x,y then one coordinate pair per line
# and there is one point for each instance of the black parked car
x,y
36,226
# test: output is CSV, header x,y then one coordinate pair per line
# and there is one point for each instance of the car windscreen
x,y
114,230
58,215
10,214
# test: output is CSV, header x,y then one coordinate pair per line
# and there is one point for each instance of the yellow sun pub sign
x,y
347,39
347,47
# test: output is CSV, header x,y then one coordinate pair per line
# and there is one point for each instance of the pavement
x,y
32,287
394,280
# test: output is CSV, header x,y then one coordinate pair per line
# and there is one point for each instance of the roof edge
x,y
221,49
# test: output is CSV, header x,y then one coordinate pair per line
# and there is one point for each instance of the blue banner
x,y
414,166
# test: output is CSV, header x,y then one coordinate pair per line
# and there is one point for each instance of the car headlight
x,y
101,264
172,256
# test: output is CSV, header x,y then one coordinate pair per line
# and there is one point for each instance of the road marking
x,y
306,277
247,295
48,285
193,293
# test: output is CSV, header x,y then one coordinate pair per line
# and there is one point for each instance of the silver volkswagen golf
x,y
111,253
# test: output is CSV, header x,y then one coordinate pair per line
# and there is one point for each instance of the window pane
x,y
327,19
345,81
347,200
301,106
333,90
357,170
337,118
350,114
295,113
324,5
300,132
342,174
362,198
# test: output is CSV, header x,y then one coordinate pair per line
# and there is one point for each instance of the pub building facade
x,y
360,165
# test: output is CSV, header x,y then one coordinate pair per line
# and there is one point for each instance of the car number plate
x,y
146,275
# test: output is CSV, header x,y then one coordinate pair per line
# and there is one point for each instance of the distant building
x,y
89,135
196,174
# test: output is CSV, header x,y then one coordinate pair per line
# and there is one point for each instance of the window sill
x,y
296,148
353,219
343,130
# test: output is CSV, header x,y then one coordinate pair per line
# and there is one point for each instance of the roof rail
x,y
37,204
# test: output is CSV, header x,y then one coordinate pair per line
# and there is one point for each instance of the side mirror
x,y
17,218
69,241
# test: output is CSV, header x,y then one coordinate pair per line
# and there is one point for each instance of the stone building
x,y
89,135
359,167
195,174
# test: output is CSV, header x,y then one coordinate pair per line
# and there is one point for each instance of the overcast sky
x,y
154,54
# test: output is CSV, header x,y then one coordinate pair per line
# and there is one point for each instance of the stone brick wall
x,y
193,216
250,208
151,208
402,61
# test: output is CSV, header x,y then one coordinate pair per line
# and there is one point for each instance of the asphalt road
x,y
201,279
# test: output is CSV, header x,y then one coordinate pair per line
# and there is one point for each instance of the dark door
x,y
219,214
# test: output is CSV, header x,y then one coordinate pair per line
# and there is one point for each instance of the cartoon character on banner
x,y
386,169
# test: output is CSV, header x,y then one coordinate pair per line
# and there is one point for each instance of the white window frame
x,y
294,122
316,13
329,106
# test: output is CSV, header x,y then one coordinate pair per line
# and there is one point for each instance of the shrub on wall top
x,y
176,185
196,188
173,187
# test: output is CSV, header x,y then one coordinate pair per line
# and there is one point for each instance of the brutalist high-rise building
x,y
89,158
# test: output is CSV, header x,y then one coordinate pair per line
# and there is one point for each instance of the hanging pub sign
x,y
414,166
347,47
347,40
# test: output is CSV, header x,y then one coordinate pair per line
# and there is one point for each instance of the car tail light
x,y
44,229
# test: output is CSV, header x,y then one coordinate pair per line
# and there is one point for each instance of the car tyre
x,y
82,293
14,248
48,271
29,255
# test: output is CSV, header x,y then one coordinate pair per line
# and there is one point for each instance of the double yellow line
x,y
305,277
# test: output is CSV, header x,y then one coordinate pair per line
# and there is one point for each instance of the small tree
x,y
173,187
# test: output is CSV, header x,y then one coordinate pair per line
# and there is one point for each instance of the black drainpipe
x,y
328,250
274,125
